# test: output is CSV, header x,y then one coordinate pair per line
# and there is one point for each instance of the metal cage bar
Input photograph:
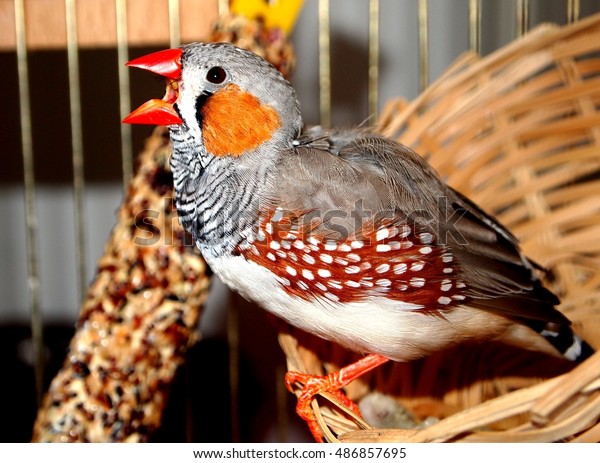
x,y
522,17
324,65
174,24
77,146
31,216
124,91
223,7
475,26
373,92
573,10
423,45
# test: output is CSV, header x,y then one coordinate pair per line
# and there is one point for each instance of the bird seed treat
x,y
139,317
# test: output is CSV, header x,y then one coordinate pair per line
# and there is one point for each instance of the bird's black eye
x,y
216,75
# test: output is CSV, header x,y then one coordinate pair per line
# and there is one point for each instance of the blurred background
x,y
417,40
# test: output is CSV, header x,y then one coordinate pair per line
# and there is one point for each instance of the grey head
x,y
209,68
239,115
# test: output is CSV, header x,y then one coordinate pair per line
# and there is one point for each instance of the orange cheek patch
x,y
234,121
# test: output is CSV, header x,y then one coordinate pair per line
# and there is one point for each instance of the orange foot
x,y
331,383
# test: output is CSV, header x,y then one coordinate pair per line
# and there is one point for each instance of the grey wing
x,y
368,174
499,276
315,179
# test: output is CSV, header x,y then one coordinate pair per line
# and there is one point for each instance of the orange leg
x,y
331,383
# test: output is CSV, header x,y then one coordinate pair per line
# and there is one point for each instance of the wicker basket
x,y
519,132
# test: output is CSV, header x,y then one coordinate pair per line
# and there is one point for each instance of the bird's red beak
x,y
159,112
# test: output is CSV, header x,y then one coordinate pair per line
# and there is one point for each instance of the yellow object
x,y
280,14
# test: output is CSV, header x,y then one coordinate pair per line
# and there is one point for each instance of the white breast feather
x,y
388,327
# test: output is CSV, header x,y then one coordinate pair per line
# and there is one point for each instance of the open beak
x,y
159,112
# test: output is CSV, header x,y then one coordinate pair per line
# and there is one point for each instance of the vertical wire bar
x,y
124,92
522,17
324,65
475,26
223,7
373,101
174,24
423,45
77,144
31,218
573,10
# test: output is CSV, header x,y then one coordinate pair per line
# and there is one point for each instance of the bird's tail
x,y
563,339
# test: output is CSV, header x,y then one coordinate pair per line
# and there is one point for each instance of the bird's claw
x,y
313,385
